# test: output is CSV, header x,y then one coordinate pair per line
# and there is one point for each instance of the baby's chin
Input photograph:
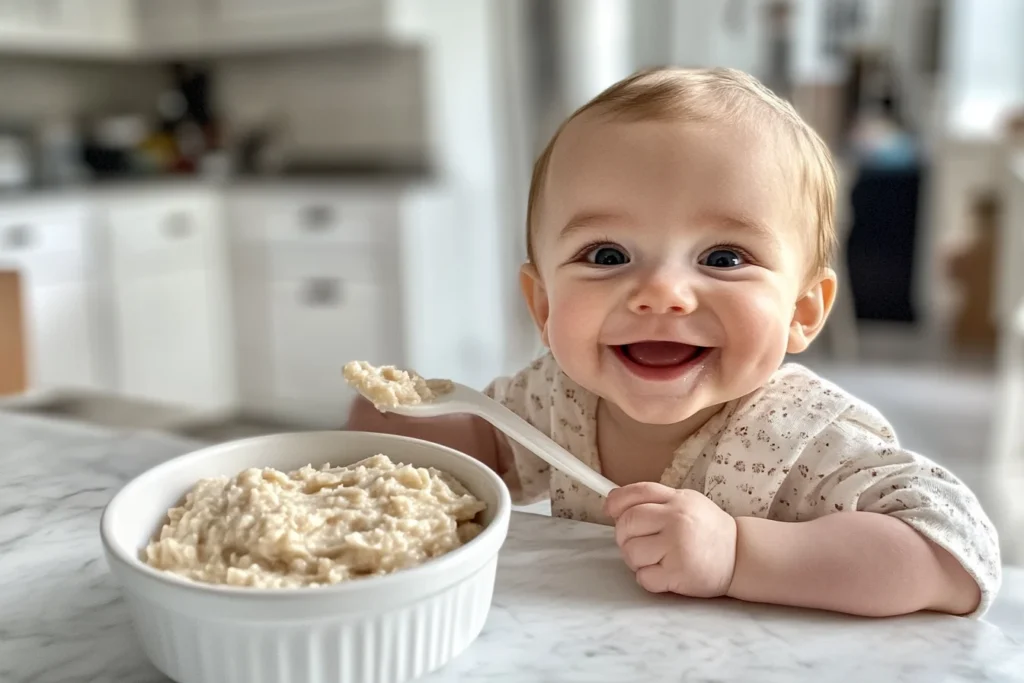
x,y
645,409
660,417
657,410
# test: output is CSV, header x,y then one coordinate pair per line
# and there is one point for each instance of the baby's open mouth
x,y
661,361
660,354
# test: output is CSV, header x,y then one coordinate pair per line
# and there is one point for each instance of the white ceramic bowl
x,y
381,629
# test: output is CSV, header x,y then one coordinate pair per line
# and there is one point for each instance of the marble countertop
x,y
565,607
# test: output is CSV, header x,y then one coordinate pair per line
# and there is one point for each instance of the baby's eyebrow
x,y
595,219
742,224
592,219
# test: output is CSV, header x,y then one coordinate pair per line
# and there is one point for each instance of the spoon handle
x,y
536,441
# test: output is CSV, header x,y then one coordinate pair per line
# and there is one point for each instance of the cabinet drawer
x,y
318,325
354,263
160,238
140,229
28,232
316,220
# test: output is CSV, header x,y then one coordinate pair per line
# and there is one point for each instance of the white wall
x,y
594,46
652,34
465,123
810,64
699,33
739,38
907,36
985,58
515,67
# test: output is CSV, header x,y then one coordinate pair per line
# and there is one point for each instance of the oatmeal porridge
x,y
388,387
269,529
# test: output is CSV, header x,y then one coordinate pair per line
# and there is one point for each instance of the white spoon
x,y
462,399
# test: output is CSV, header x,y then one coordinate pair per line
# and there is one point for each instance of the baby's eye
x,y
607,255
722,258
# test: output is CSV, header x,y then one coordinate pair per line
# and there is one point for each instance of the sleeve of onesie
x,y
528,395
856,463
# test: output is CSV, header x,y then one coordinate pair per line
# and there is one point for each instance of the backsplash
x,y
357,102
36,88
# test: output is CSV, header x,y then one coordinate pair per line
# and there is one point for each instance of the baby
x,y
680,229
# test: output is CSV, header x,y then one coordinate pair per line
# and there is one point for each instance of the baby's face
x,y
670,259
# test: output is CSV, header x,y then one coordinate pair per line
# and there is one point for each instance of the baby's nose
x,y
663,294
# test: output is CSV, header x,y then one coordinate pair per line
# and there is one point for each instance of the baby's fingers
x,y
654,578
625,497
643,551
640,520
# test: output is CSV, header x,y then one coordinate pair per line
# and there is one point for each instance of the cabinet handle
x,y
17,237
177,226
322,292
318,218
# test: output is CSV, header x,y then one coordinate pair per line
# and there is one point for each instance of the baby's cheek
x,y
574,326
574,312
567,327
757,332
758,317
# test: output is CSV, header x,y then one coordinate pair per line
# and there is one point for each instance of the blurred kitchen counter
x,y
387,180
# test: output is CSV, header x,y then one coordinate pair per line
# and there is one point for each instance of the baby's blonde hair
x,y
712,95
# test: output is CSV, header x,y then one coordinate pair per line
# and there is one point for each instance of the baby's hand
x,y
675,540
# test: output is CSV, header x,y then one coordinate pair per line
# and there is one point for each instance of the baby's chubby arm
x,y
465,433
860,563
858,524
868,527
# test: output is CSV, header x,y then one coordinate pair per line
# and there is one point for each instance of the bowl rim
x,y
435,568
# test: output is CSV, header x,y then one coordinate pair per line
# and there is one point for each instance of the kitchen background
x,y
208,206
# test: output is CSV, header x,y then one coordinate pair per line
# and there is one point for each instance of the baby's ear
x,y
811,311
536,298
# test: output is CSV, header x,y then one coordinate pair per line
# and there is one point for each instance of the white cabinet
x,y
270,10
249,298
125,293
263,21
171,311
73,27
318,324
218,26
315,285
130,28
169,27
63,352
325,275
48,243
165,339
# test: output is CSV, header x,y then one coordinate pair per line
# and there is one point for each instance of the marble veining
x,y
565,607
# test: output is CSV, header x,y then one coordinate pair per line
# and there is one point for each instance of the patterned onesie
x,y
796,449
